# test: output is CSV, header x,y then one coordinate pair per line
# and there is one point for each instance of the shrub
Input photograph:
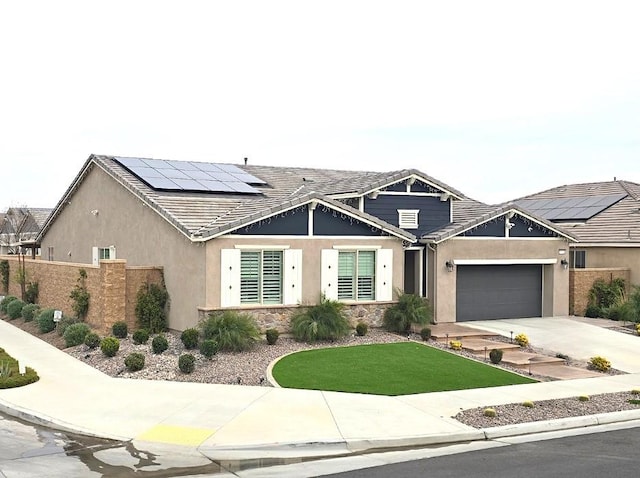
x,y
410,309
14,309
455,345
425,333
120,329
76,334
522,340
562,356
92,340
65,322
583,398
635,391
134,362
45,321
496,356
593,311
603,294
80,296
324,321
29,311
490,412
5,302
187,363
189,338
159,344
17,380
528,404
150,308
599,363
209,348
110,346
140,336
272,336
4,273
638,329
233,331
361,329
31,293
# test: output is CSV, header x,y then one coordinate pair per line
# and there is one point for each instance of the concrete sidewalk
x,y
232,422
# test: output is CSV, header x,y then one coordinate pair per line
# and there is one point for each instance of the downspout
x,y
433,263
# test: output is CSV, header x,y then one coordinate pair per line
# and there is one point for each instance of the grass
x,y
15,380
388,369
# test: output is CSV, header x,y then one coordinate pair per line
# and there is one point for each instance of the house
x,y
20,227
605,218
266,239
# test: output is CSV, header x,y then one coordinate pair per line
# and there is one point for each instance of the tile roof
x,y
617,224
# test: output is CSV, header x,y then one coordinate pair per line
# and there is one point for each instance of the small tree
x,y
150,308
80,296
4,275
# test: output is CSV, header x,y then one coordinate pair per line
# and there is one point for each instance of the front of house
x,y
268,239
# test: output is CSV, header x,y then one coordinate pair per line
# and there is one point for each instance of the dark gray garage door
x,y
498,292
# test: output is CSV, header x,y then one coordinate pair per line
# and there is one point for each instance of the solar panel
x,y
191,176
573,208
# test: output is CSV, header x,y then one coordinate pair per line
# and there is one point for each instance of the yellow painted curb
x,y
176,435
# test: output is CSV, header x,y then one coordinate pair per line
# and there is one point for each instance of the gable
x,y
294,222
520,226
330,222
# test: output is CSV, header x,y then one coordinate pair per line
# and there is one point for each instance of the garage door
x,y
498,292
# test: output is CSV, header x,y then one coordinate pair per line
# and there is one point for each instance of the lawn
x,y
401,368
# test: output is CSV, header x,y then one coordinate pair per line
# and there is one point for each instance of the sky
x,y
497,99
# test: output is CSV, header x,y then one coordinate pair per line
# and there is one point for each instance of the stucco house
x,y
19,228
605,218
267,239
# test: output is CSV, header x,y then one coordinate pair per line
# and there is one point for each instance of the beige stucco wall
x,y
141,237
555,277
311,251
614,257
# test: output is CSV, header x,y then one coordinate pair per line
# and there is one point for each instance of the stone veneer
x,y
277,317
581,281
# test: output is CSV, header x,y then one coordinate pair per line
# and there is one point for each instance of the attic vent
x,y
408,218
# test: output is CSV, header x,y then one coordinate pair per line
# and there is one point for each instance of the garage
x,y
498,291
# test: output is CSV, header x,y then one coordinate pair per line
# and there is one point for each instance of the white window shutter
x,y
95,258
229,277
329,273
112,252
384,275
292,281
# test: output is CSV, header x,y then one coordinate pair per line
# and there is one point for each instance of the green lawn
x,y
388,369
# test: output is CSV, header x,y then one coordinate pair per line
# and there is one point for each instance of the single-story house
x,y
19,228
267,239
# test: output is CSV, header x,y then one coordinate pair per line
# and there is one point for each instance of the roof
x,y
617,224
468,214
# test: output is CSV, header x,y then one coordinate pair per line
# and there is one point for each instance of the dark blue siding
x,y
328,222
290,223
399,187
433,213
522,226
420,187
493,228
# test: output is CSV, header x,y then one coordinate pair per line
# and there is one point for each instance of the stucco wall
x,y
140,235
615,257
581,281
556,278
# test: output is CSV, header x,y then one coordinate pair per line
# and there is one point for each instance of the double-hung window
x,y
356,275
261,277
577,259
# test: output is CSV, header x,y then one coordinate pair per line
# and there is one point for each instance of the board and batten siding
x,y
433,214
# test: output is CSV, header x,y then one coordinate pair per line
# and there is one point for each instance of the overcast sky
x,y
498,99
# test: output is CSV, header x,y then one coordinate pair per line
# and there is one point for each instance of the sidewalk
x,y
231,422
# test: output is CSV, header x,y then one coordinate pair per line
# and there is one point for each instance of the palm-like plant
x,y
324,321
410,309
232,331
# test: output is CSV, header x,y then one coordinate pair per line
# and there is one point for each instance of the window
x,y
261,277
408,218
104,253
356,275
577,259
50,253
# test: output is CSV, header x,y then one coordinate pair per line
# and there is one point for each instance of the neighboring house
x,y
603,216
20,227
266,239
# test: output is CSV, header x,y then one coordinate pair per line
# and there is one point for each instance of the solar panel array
x,y
167,175
570,209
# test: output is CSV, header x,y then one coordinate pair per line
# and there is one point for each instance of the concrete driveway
x,y
572,337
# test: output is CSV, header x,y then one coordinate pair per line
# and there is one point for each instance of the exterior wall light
x,y
449,264
564,263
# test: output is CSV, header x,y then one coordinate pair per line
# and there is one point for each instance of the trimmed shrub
x,y
522,340
593,311
455,345
425,333
14,309
29,311
110,346
528,404
272,336
159,344
150,308
189,338
209,348
410,309
361,329
75,334
599,363
5,302
233,331
489,412
583,398
324,321
120,329
496,356
64,323
92,340
140,336
635,391
45,321
187,363
134,362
